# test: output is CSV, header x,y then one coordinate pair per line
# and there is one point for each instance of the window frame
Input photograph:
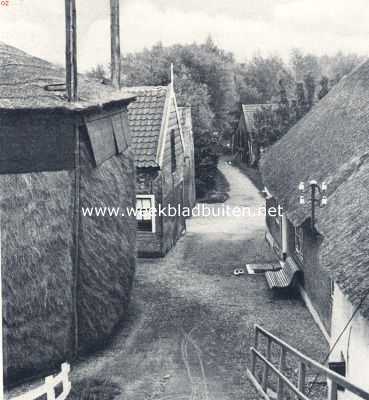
x,y
150,197
299,239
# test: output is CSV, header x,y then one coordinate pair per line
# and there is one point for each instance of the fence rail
x,y
48,388
335,380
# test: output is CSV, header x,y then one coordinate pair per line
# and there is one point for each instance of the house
x,y
244,143
189,173
328,250
159,149
66,276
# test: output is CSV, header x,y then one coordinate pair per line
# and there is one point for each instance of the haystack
x,y
66,278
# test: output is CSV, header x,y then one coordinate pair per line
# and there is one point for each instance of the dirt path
x,y
190,326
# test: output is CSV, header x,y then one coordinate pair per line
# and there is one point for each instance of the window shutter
x,y
100,132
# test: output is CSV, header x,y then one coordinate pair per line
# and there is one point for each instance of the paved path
x,y
190,327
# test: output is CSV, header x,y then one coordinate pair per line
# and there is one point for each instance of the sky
x,y
245,27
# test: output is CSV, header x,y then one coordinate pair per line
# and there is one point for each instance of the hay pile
x,y
36,227
107,247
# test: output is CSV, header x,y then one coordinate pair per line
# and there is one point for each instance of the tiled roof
x,y
27,82
145,117
330,144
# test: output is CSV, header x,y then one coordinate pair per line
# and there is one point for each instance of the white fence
x,y
48,388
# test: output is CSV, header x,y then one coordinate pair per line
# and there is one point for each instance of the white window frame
x,y
150,197
299,233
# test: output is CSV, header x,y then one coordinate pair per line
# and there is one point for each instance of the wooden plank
x,y
332,391
301,377
119,133
102,139
282,365
68,48
256,384
266,367
71,49
50,388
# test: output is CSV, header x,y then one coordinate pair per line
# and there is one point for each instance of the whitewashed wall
x,y
354,345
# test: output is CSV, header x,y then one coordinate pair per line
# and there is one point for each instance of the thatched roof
x,y
146,118
24,80
331,144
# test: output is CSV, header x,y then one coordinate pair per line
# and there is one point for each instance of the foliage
x,y
324,87
264,74
204,80
208,79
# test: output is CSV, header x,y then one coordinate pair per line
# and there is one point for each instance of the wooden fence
x,y
48,389
285,383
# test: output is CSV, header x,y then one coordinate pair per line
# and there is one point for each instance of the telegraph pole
x,y
115,43
71,50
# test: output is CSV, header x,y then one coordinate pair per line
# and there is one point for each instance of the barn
x,y
66,277
245,146
159,149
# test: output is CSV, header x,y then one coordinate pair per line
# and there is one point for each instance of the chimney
x,y
71,50
115,43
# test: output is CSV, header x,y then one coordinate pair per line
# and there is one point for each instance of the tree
x,y
310,87
300,100
283,110
263,74
98,73
324,87
204,79
304,64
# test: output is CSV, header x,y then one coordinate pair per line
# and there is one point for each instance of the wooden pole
x,y
71,50
76,238
115,43
2,395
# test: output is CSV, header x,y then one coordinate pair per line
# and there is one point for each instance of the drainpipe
x,y
72,92
2,395
284,236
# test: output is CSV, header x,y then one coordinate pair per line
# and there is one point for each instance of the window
x,y
145,216
173,150
299,240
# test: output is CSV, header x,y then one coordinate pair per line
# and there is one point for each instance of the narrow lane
x,y
190,326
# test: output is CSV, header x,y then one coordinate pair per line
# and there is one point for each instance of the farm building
x,y
244,143
66,277
158,145
189,173
328,252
